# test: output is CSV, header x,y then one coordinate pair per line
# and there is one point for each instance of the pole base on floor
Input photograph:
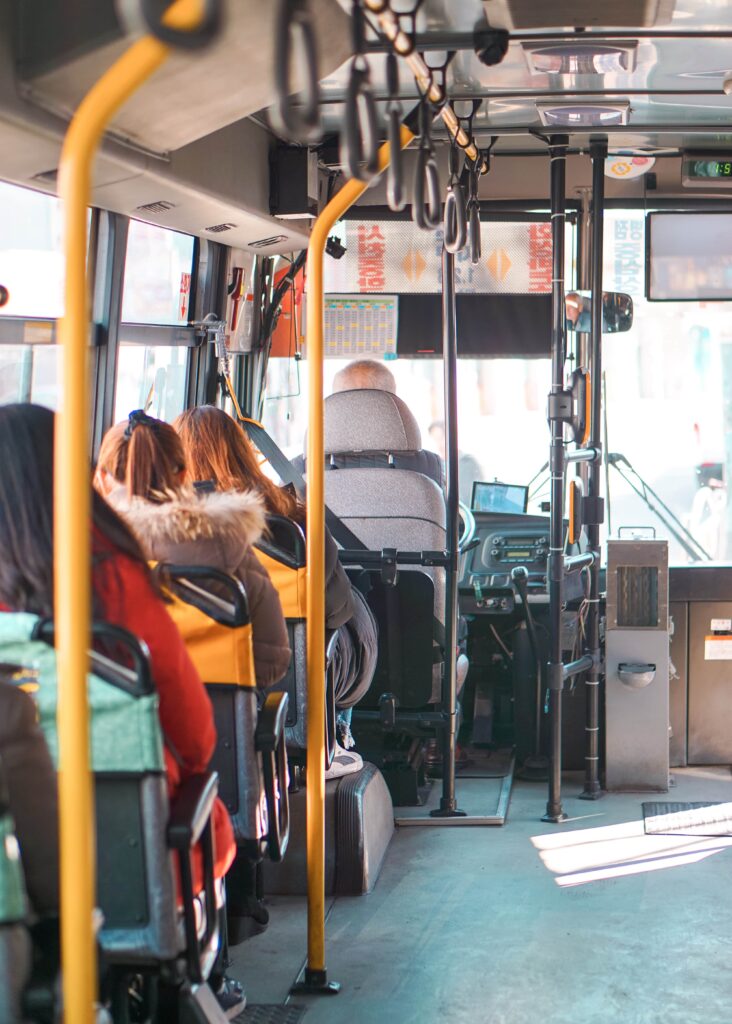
x,y
534,769
447,812
592,792
555,817
315,983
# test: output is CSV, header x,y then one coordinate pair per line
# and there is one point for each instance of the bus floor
x,y
589,922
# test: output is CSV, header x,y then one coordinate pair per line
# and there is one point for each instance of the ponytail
x,y
145,455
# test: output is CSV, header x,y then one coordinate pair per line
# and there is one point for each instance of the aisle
x,y
588,923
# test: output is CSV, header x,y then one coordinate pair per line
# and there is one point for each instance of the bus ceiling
x,y
210,163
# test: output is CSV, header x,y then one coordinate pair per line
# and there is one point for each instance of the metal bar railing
x,y
72,530
315,974
555,574
592,789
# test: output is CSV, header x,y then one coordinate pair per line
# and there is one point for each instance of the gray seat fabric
x,y
394,508
391,507
369,420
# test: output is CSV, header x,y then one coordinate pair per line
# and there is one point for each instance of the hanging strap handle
x,y
296,116
455,221
395,191
426,206
359,139
143,16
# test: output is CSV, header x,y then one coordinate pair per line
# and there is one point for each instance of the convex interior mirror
x,y
617,312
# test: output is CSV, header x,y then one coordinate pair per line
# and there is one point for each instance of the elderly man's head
x,y
364,373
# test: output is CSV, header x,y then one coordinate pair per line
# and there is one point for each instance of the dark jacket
x,y
217,529
31,783
339,606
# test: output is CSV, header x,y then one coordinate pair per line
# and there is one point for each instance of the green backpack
x,y
125,734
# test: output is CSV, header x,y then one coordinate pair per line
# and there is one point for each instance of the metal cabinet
x,y
710,683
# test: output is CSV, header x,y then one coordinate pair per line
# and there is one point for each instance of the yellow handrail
x,y
72,515
315,550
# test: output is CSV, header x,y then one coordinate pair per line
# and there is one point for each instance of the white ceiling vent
x,y
159,206
581,57
584,115
550,14
261,243
48,177
216,229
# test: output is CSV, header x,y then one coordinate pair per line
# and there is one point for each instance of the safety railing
x,y
72,529
314,977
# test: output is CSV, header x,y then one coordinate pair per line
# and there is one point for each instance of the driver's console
x,y
505,541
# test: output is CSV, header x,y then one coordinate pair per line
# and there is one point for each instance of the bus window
x,y
665,384
157,275
29,373
31,263
151,378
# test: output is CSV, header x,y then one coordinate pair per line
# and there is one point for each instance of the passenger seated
x,y
142,470
217,449
29,779
367,374
123,594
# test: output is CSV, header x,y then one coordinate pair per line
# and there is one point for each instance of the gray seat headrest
x,y
369,420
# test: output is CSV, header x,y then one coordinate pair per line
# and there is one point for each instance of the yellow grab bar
x,y
315,973
72,516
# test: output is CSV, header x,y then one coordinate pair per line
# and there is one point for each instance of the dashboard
x,y
505,541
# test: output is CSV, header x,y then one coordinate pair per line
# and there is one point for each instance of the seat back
x,y
211,611
388,506
403,510
282,553
14,940
136,887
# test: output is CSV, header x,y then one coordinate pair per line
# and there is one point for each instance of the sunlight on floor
x,y
614,851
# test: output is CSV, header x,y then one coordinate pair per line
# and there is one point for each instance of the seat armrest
x,y
190,822
191,810
271,722
269,741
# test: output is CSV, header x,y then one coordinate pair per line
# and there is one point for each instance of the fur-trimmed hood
x,y
213,529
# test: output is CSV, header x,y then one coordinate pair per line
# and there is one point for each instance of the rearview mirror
x,y
617,312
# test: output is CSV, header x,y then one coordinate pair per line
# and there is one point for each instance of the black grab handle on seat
x,y
269,740
232,590
136,680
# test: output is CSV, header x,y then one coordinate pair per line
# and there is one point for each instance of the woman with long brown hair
x,y
217,450
142,472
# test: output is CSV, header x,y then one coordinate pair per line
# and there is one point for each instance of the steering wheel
x,y
466,537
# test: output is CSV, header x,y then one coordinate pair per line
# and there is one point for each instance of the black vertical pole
x,y
594,504
557,418
448,803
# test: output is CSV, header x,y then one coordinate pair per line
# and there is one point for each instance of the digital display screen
x,y
496,497
708,168
689,256
512,553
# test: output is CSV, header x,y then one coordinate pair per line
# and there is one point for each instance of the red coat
x,y
186,715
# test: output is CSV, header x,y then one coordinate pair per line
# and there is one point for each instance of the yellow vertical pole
x,y
315,973
72,517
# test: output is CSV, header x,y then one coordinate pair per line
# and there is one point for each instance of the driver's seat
x,y
369,436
